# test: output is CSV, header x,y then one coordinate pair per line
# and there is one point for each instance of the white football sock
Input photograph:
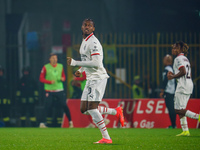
x,y
184,125
104,110
192,115
98,120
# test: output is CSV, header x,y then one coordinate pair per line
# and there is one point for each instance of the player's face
x,y
87,28
165,61
176,50
53,59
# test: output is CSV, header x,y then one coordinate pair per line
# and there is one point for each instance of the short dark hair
x,y
52,54
89,19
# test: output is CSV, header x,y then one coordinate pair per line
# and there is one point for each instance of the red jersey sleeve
x,y
42,76
81,78
63,75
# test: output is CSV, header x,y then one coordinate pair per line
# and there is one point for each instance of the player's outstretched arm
x,y
95,62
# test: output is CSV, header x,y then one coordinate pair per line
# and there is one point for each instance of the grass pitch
x,y
82,139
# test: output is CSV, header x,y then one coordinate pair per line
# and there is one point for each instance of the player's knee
x,y
180,112
83,111
177,111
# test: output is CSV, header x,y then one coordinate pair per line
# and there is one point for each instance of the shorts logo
x,y
91,95
90,92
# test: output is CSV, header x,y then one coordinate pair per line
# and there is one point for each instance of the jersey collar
x,y
181,54
54,65
89,36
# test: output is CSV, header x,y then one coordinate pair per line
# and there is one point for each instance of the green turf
x,y
82,139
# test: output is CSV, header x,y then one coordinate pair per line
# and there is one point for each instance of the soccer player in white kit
x,y
91,62
182,72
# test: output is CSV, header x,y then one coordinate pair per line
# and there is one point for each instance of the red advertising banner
x,y
141,113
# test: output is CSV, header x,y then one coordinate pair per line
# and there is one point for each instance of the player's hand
x,y
62,79
170,75
69,60
52,81
77,74
161,95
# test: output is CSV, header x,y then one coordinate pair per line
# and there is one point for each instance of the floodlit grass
x,y
82,139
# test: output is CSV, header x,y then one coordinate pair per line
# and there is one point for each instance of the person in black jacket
x,y
5,102
168,89
27,98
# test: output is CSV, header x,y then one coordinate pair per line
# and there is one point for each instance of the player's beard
x,y
85,34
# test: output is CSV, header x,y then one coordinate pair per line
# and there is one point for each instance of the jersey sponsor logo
x,y
95,50
178,63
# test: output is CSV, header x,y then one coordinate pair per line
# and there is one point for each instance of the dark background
x,y
110,16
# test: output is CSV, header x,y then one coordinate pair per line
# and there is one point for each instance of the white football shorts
x,y
181,100
94,90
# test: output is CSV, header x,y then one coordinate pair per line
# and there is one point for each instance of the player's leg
x,y
99,121
23,112
111,111
32,115
48,104
180,103
84,99
58,116
118,112
169,101
90,108
105,110
97,89
6,114
93,93
62,99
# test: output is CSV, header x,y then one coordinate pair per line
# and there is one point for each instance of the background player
x,y
5,102
182,72
53,76
168,89
92,63
27,98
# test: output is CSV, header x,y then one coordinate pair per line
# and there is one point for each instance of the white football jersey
x,y
91,46
184,83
